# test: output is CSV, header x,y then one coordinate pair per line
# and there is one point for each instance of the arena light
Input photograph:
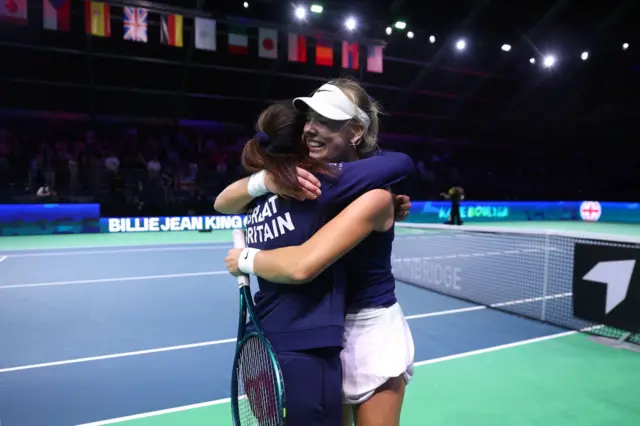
x,y
316,8
350,23
300,12
584,56
625,46
506,47
410,34
432,39
388,30
461,44
401,25
549,61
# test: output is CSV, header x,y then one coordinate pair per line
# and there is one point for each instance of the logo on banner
x,y
606,285
616,275
590,211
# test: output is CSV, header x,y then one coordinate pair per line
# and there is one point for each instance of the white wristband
x,y
245,261
256,186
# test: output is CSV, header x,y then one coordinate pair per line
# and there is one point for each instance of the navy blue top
x,y
371,282
298,317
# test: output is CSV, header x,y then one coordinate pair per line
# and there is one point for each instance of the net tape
x,y
525,272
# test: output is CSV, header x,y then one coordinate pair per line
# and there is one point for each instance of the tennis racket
x,y
257,388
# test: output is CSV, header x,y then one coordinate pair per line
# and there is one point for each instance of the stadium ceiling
x,y
582,82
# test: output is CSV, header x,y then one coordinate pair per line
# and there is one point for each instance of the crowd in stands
x,y
142,169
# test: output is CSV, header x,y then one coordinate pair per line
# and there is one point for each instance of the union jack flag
x,y
135,24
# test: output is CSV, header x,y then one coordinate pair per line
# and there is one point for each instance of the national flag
x,y
206,34
324,52
135,24
297,48
268,43
97,19
14,11
350,55
171,30
238,40
56,15
374,59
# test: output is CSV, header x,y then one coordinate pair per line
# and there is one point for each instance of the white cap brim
x,y
322,108
332,103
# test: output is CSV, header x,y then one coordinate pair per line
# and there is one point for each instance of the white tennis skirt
x,y
378,346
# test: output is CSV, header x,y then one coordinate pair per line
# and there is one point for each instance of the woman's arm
x,y
371,211
236,197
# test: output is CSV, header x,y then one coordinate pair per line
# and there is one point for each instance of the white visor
x,y
331,102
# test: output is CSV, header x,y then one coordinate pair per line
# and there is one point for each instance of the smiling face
x,y
331,140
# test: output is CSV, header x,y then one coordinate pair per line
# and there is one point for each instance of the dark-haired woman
x,y
378,351
305,323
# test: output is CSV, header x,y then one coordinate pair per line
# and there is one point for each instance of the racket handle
x,y
238,242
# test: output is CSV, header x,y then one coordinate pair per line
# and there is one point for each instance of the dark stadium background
x,y
498,112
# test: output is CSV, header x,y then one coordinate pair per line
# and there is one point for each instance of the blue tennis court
x,y
142,334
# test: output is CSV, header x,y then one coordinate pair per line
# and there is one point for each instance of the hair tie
x,y
262,138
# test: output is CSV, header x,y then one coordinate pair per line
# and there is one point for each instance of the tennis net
x,y
525,272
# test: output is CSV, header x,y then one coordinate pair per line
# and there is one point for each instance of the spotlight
x,y
432,39
625,46
506,47
532,60
245,4
401,25
461,44
301,13
410,34
388,30
584,56
549,61
350,24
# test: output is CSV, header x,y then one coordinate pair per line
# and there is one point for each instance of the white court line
x,y
108,280
159,412
118,355
493,305
2,258
417,364
132,250
449,312
210,343
495,348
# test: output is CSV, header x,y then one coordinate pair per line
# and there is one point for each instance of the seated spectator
x,y
112,163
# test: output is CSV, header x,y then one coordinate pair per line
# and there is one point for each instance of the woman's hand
x,y
402,207
308,183
232,261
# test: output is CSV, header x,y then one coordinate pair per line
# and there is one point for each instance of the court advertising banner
x,y
606,285
45,219
171,223
39,219
489,211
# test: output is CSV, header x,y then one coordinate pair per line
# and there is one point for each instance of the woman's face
x,y
329,140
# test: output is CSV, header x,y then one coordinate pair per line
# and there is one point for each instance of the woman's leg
x,y
384,406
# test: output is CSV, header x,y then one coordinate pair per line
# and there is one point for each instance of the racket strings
x,y
258,397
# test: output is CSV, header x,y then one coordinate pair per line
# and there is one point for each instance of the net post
x,y
545,276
